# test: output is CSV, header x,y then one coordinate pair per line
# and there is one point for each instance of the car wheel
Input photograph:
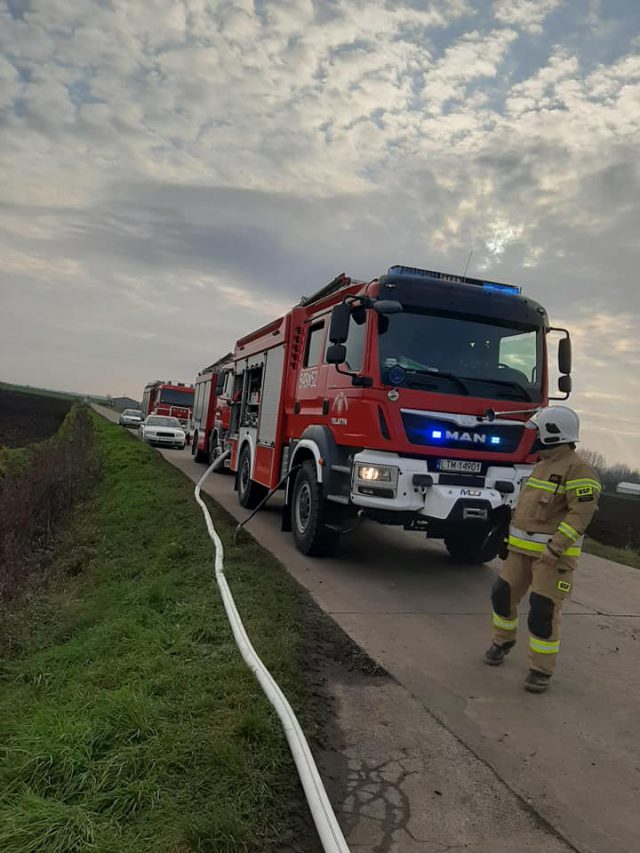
x,y
311,533
250,493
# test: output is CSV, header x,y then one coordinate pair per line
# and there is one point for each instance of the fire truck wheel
x,y
198,455
249,493
308,514
471,545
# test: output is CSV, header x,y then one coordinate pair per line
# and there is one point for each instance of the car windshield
x,y
164,422
454,354
132,413
175,397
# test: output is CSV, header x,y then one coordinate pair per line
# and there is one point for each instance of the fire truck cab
x,y
405,400
210,417
174,399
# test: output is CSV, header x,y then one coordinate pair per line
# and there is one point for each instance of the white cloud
x,y
528,14
186,168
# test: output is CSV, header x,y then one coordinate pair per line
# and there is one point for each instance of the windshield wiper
x,y
509,383
439,373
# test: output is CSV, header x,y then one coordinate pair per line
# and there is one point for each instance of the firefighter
x,y
545,539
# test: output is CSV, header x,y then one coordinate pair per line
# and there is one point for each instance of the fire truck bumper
x,y
386,481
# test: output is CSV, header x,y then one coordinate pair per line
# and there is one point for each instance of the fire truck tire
x,y
472,545
215,450
198,455
250,493
311,533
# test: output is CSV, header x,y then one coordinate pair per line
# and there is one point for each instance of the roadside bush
x,y
39,485
617,522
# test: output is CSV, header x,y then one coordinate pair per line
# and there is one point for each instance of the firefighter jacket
x,y
555,506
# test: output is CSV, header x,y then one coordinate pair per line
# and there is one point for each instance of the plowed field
x,y
26,418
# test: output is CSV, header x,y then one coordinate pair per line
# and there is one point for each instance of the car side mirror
x,y
339,328
337,354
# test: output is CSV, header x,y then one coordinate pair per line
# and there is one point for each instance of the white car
x,y
130,418
164,431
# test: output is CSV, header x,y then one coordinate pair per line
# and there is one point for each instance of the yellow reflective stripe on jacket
x,y
585,481
505,624
527,544
573,551
544,647
545,485
569,531
535,543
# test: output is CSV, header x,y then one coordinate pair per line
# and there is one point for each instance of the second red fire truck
x,y
210,418
168,398
404,400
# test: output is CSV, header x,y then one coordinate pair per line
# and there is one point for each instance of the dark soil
x,y
27,418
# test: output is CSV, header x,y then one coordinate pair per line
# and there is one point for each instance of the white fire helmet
x,y
558,425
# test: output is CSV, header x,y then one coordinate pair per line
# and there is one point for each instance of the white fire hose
x,y
323,815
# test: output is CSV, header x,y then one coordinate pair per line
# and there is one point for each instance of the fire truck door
x,y
311,382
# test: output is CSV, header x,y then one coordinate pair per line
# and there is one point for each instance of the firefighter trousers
x,y
550,586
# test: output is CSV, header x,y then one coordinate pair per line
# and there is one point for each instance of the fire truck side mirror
x,y
339,329
565,384
387,306
564,356
337,354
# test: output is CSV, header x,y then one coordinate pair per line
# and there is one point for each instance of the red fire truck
x,y
168,398
210,418
404,400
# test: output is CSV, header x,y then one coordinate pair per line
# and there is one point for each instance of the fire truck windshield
x,y
174,397
455,354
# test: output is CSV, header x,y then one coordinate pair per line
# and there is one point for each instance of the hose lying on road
x,y
323,815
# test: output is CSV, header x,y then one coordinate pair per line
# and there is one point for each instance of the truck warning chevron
x,y
378,399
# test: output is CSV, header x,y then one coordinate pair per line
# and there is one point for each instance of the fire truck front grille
x,y
434,432
461,480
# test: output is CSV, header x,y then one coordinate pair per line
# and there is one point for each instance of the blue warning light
x,y
495,439
436,433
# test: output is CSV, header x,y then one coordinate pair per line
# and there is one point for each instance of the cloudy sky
x,y
174,173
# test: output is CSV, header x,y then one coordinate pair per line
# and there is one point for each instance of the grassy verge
x,y
626,556
128,721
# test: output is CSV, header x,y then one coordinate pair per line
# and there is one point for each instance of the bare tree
x,y
610,475
594,458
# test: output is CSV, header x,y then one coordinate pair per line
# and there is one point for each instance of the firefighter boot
x,y
536,681
496,654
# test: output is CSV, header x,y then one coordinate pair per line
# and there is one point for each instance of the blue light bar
x,y
496,287
491,286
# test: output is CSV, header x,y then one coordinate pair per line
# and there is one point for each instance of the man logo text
x,y
475,438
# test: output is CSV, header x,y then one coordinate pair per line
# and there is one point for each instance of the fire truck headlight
x,y
373,472
377,480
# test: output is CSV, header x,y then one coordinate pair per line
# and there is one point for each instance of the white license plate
x,y
461,466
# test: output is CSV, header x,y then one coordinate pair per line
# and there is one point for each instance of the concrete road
x,y
572,755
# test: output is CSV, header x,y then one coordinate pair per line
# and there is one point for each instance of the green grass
x,y
626,556
128,720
